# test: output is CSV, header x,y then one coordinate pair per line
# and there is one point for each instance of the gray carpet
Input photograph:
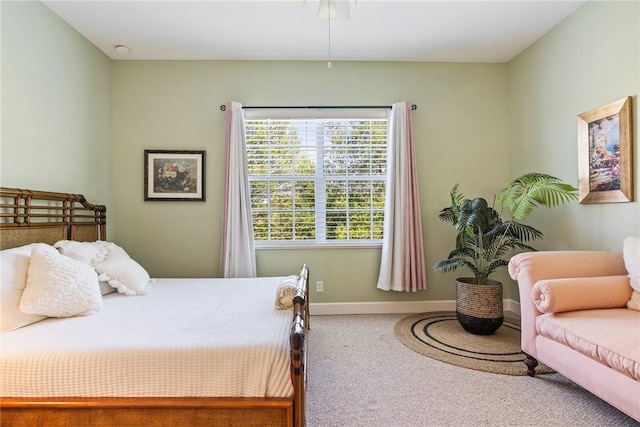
x,y
359,374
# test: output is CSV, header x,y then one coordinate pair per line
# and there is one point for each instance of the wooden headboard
x,y
28,216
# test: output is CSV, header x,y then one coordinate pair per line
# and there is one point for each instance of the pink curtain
x,y
402,267
237,254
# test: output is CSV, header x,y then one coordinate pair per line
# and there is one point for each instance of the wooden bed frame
x,y
40,216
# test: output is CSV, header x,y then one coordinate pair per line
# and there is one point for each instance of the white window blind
x,y
317,180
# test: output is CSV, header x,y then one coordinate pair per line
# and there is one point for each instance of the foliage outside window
x,y
317,180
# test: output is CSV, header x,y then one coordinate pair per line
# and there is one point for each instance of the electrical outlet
x,y
319,286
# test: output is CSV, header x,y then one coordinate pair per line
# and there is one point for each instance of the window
x,y
318,180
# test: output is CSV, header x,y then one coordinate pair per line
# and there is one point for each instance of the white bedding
x,y
186,337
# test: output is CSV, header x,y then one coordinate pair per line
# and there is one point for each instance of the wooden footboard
x,y
37,216
148,412
298,346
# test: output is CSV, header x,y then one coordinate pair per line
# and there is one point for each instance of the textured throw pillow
x,y
631,255
14,264
112,263
58,286
89,253
123,273
285,293
86,252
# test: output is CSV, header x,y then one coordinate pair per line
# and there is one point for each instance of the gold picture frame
x,y
605,154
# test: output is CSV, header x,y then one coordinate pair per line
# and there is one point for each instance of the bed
x,y
185,352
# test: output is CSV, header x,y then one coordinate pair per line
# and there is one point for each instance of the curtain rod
x,y
223,107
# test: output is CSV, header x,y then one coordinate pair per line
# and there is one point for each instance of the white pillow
x,y
58,286
123,273
112,263
285,292
86,252
14,264
631,255
89,253
105,288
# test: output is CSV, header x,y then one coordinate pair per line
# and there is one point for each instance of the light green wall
x,y
460,128
56,106
589,60
476,124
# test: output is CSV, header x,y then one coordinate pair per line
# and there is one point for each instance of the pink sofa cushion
x,y
610,336
584,293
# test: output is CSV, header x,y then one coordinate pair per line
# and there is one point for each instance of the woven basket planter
x,y
479,307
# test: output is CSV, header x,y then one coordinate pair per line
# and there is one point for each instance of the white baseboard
x,y
512,306
332,308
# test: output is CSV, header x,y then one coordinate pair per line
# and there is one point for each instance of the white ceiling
x,y
377,30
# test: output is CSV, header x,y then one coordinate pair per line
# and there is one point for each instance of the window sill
x,y
314,245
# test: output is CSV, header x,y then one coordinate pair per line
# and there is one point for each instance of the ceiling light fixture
x,y
122,49
336,10
327,10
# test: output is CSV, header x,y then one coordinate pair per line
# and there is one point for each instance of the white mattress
x,y
186,337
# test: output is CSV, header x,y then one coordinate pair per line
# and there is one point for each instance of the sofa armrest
x,y
583,293
529,267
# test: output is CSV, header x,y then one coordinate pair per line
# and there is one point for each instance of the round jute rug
x,y
439,335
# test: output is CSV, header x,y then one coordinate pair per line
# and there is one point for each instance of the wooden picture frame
x,y
605,154
174,175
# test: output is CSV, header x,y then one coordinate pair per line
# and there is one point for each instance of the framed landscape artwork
x,y
605,162
174,175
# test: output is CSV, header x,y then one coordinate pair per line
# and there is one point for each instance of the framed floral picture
x,y
174,175
605,163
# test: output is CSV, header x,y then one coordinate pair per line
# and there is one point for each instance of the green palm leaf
x,y
535,189
484,241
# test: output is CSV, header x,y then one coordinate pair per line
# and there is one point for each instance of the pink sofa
x,y
575,320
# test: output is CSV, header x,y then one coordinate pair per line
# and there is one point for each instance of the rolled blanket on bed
x,y
285,293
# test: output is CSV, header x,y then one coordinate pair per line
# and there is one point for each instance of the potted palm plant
x,y
485,241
